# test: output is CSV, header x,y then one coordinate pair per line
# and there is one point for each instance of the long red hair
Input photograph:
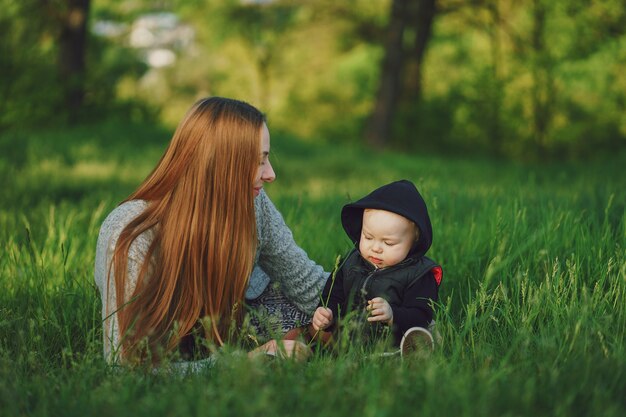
x,y
201,211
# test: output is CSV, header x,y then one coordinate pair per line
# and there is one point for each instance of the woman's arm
x,y
105,248
111,334
283,260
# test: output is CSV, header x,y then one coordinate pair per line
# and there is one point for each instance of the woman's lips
x,y
257,190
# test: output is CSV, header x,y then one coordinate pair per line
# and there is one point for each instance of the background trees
x,y
522,79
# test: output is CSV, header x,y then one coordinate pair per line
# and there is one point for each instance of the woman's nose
x,y
268,174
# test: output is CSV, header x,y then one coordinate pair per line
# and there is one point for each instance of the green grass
x,y
533,304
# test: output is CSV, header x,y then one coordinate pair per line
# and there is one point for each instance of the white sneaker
x,y
417,341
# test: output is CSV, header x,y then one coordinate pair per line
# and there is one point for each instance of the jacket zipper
x,y
371,274
364,286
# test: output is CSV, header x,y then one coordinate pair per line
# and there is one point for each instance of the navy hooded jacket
x,y
409,286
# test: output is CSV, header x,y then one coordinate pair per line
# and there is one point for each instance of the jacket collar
x,y
367,266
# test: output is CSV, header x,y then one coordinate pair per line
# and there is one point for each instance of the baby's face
x,y
386,237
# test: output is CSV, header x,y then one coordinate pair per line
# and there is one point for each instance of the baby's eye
x,y
367,237
390,243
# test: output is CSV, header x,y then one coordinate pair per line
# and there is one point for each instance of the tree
x,y
265,28
44,62
71,18
543,91
379,126
421,16
400,59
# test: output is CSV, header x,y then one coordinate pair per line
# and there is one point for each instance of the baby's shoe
x,y
417,342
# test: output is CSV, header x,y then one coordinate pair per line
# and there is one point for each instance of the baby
x,y
387,273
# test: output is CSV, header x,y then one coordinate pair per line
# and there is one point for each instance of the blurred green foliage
x,y
27,87
526,79
31,93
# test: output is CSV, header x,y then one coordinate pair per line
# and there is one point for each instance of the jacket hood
x,y
400,197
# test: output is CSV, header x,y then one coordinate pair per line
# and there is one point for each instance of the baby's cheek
x,y
394,258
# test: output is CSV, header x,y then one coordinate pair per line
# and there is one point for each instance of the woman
x,y
174,260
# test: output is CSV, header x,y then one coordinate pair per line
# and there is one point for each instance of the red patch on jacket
x,y
438,274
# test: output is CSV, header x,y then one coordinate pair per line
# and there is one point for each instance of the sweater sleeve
x,y
104,278
416,310
284,261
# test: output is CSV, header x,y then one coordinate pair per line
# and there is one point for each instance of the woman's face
x,y
265,172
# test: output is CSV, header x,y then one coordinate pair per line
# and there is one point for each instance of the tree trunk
x,y
71,56
422,14
543,83
496,99
381,120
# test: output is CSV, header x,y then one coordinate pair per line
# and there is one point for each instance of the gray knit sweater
x,y
282,260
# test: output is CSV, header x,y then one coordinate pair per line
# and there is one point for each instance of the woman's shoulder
x,y
128,208
117,219
269,220
260,202
263,209
121,215
109,233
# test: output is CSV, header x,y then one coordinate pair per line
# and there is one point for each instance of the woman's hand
x,y
380,310
322,318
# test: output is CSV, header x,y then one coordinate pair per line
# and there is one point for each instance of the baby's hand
x,y
380,310
322,318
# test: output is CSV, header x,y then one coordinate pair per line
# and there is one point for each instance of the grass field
x,y
533,303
